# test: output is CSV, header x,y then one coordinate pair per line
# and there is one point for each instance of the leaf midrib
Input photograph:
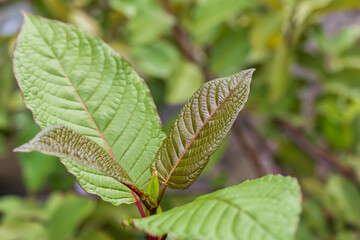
x,y
216,109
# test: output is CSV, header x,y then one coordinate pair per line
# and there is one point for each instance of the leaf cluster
x,y
97,115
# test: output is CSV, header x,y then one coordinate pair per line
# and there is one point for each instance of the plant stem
x,y
142,213
138,204
163,188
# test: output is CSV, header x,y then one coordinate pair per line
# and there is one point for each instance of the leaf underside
x,y
70,78
266,208
199,129
61,141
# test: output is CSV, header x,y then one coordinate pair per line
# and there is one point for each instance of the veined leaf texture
x,y
199,129
71,78
265,208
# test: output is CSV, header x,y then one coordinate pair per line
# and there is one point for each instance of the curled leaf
x,y
63,142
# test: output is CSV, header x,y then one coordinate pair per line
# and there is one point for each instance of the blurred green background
x,y
302,117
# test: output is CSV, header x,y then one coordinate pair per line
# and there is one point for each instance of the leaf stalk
x,y
162,191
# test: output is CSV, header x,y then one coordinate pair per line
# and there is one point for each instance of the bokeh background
x,y
302,117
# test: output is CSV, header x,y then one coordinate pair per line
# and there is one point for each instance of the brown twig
x,y
184,43
317,153
244,141
262,146
182,38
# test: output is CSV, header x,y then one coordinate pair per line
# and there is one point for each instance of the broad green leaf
x,y
129,8
199,129
92,234
151,58
67,216
342,199
22,230
307,7
278,71
61,141
230,52
84,22
14,209
265,208
313,217
58,9
208,14
265,27
147,19
81,83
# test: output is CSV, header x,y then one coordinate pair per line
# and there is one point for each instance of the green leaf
x,y
230,53
208,14
265,208
151,58
29,230
153,187
80,82
84,21
199,129
61,141
147,19
279,74
92,234
342,199
67,216
265,27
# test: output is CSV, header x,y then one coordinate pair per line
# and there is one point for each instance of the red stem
x,y
138,204
142,213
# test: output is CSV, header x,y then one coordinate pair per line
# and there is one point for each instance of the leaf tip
x,y
26,14
22,148
249,73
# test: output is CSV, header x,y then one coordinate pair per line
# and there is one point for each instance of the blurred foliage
x,y
64,216
307,56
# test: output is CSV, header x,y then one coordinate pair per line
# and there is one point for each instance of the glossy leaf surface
x,y
266,208
79,82
61,141
199,129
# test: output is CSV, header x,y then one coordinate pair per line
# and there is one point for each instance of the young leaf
x,y
265,208
61,141
153,187
199,129
79,82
